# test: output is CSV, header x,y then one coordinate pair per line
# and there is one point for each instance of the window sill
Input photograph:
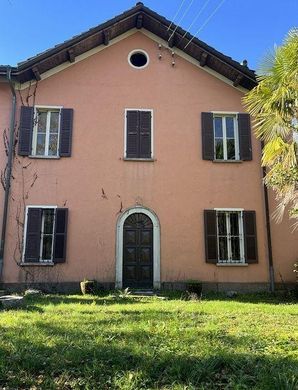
x,y
228,161
37,264
45,157
231,264
139,159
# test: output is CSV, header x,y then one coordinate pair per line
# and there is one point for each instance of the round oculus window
x,y
138,59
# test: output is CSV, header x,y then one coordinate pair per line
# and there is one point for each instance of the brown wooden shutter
x,y
210,236
250,237
66,132
244,130
60,235
132,134
145,134
26,131
32,249
207,136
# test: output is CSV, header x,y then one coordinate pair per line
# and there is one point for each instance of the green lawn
x,y
75,342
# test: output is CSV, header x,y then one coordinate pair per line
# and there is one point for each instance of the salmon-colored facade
x,y
98,185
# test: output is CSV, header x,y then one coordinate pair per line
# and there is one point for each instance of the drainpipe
x,y
9,168
268,229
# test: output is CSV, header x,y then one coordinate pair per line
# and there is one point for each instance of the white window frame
x,y
125,134
41,261
224,130
229,261
47,109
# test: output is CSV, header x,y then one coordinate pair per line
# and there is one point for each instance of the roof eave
x,y
151,21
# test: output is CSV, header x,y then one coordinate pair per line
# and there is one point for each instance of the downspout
x,y
268,230
9,168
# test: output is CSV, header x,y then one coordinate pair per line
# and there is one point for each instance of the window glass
x,y
222,226
47,234
230,240
40,144
42,122
54,122
235,248
219,149
231,149
223,248
53,144
230,126
226,145
46,133
218,127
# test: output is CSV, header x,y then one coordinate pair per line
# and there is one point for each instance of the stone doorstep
x,y
11,301
146,294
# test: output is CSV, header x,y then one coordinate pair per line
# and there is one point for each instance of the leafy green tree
x,y
273,103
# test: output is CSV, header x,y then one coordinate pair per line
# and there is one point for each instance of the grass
x,y
108,342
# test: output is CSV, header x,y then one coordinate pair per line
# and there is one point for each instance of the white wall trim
x,y
225,113
228,209
48,107
156,244
152,129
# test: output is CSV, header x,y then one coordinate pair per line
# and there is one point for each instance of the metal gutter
x,y
9,167
268,230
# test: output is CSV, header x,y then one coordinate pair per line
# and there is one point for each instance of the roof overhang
x,y
139,17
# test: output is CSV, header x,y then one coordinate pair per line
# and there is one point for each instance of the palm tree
x,y
274,105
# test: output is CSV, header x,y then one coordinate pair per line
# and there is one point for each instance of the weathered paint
x,y
177,186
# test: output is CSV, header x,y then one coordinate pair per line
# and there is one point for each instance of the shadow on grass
x,y
256,298
101,300
132,361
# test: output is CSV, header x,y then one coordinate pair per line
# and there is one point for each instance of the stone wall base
x,y
74,287
220,287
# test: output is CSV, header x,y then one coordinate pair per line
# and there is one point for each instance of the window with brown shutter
x,y
226,137
230,236
138,134
45,132
45,235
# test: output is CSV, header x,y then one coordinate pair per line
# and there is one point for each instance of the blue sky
x,y
242,29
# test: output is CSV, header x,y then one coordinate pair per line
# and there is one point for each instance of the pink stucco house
x,y
133,163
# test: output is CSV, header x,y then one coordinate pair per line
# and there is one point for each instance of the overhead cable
x,y
181,5
197,17
205,23
180,20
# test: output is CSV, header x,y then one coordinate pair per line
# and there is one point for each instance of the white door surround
x,y
156,244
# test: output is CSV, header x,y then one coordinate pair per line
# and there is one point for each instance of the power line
x,y
181,5
205,23
180,20
197,17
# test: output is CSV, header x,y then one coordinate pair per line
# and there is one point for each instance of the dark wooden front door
x,y
138,251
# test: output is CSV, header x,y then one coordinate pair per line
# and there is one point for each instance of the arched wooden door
x,y
138,251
